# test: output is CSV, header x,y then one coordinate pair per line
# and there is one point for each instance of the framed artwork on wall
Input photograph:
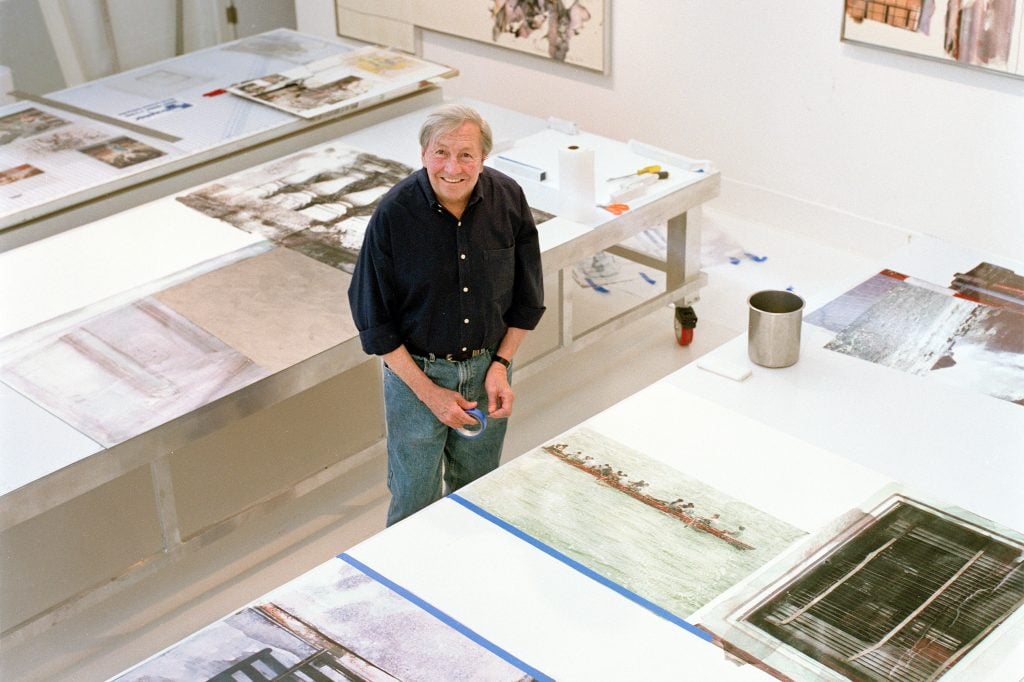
x,y
984,34
570,31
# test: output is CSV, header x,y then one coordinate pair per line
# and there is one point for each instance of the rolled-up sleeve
x,y
528,294
370,293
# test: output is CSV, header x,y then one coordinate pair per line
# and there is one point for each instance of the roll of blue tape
x,y
469,432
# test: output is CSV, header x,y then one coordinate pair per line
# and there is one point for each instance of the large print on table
x,y
126,371
637,522
932,331
980,34
317,202
333,623
905,592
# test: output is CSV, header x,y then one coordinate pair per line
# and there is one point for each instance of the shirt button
x,y
465,321
465,289
462,256
463,349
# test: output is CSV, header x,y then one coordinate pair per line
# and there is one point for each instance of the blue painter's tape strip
x,y
590,573
444,618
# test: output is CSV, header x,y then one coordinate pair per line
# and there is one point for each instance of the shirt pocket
x,y
501,273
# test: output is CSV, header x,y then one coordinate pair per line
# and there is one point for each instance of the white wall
x,y
810,133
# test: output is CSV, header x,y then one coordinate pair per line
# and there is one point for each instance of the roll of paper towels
x,y
576,183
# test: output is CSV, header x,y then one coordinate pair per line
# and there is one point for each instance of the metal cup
x,y
773,335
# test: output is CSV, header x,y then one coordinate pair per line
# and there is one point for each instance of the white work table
x,y
537,569
957,444
542,569
185,469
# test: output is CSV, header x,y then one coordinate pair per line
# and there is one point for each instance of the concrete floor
x,y
144,618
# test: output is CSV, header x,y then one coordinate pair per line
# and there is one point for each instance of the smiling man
x,y
447,284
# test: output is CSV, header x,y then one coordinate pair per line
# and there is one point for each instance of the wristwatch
x,y
501,361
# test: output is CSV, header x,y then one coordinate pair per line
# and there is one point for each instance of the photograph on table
x,y
905,590
317,202
125,371
984,35
20,172
339,83
292,95
637,522
333,623
122,152
26,123
929,330
570,31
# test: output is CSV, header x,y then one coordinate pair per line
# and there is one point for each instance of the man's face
x,y
454,161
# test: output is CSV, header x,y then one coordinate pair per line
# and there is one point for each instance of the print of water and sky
x,y
651,553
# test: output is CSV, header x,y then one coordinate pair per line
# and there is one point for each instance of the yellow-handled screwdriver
x,y
656,170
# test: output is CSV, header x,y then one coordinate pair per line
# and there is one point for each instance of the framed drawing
x,y
570,31
984,34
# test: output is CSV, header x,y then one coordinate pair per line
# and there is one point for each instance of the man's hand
x,y
499,393
449,407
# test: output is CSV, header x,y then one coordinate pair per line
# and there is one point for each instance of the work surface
x,y
838,478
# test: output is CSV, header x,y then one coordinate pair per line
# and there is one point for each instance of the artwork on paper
x,y
279,91
160,82
985,34
569,31
904,594
930,331
992,285
277,308
316,202
65,139
339,83
287,45
122,152
126,371
20,172
638,522
28,122
333,623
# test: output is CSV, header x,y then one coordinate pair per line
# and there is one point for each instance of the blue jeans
x,y
423,453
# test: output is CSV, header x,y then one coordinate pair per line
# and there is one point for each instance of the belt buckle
x,y
475,353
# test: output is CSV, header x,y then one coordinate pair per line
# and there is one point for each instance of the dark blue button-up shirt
x,y
442,285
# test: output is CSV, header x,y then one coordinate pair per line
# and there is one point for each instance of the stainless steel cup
x,y
773,335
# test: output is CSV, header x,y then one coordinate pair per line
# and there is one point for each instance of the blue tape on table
x,y
470,432
445,618
589,572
